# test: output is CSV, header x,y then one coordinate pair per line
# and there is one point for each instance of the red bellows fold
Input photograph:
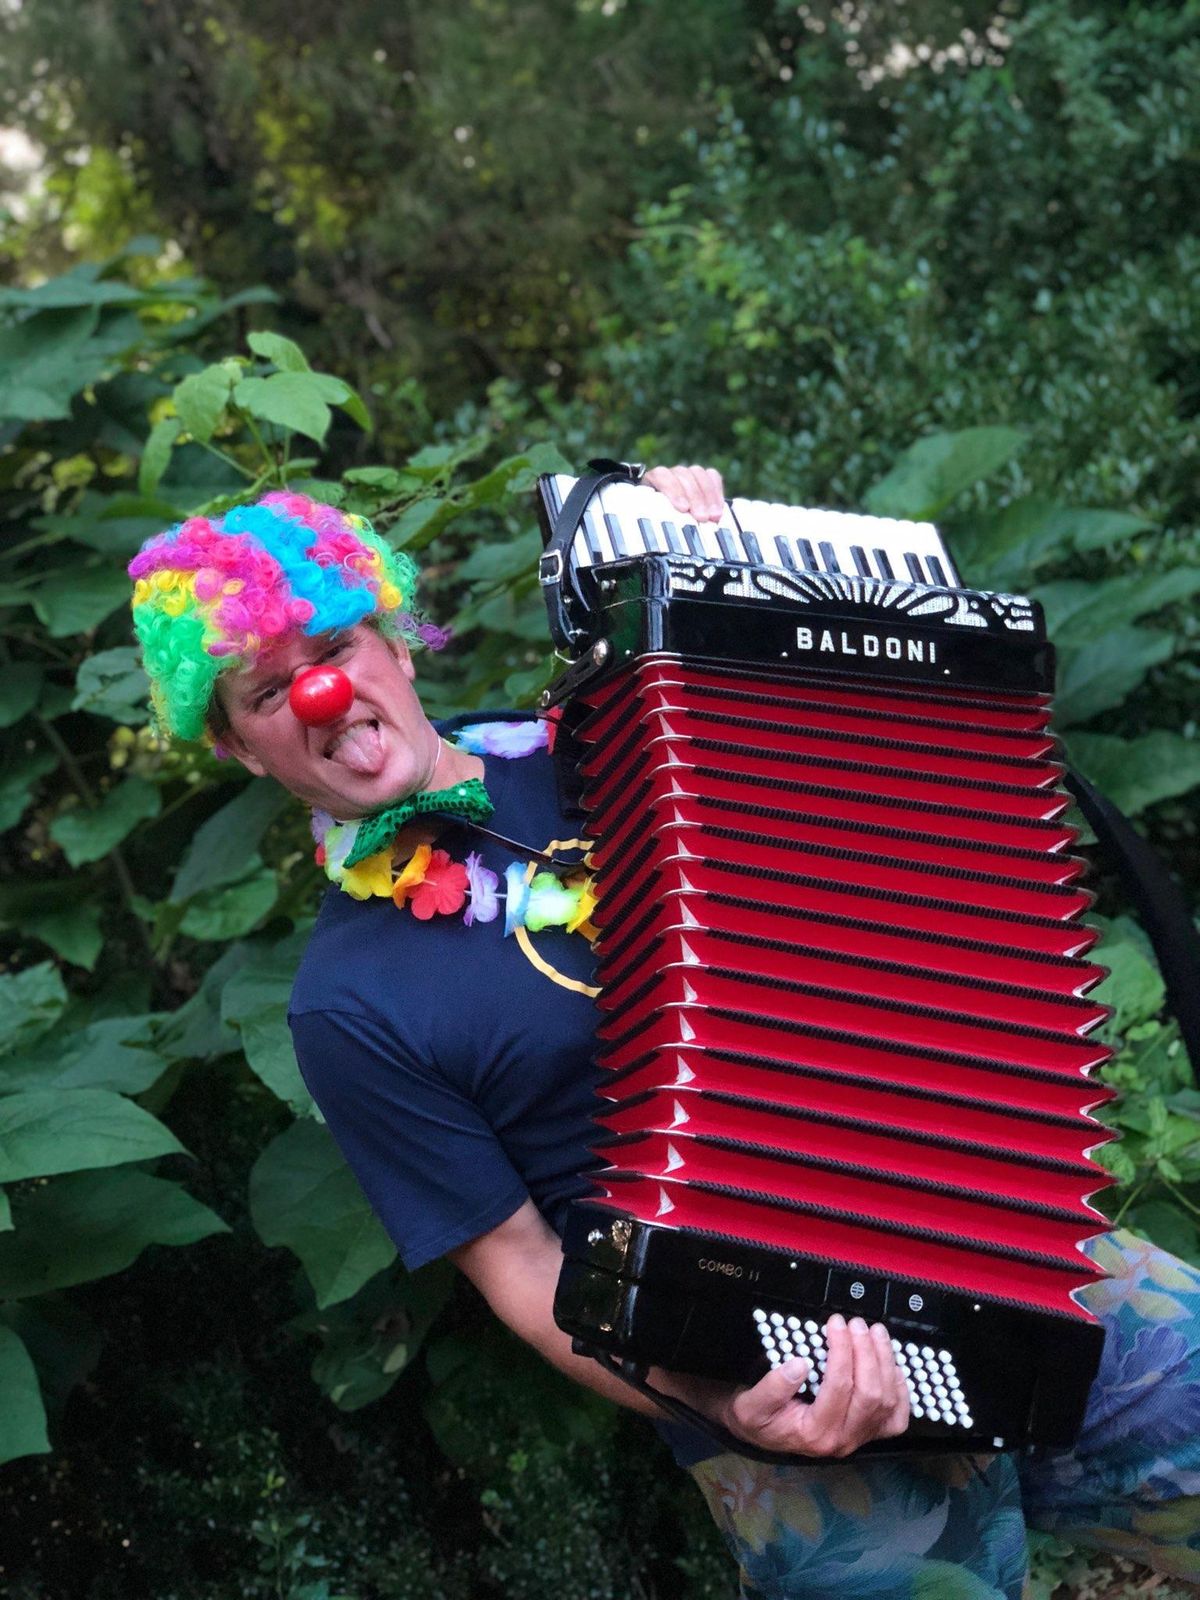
x,y
844,994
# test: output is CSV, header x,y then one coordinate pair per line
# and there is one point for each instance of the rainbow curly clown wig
x,y
210,594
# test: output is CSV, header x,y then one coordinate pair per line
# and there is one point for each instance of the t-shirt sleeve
x,y
431,1166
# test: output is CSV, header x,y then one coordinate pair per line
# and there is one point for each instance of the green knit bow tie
x,y
468,799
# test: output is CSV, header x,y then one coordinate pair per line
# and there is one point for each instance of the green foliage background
x,y
931,260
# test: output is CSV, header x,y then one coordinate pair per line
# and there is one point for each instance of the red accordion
x,y
844,1025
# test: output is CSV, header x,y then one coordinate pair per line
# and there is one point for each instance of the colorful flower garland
x,y
430,883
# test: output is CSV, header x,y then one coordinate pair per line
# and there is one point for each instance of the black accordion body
x,y
844,1031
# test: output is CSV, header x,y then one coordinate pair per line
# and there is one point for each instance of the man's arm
x,y
862,1397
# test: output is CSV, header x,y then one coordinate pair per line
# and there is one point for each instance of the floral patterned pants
x,y
954,1526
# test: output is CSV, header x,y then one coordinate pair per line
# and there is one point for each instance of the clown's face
x,y
382,749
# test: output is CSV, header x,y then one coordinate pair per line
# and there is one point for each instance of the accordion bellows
x,y
845,1036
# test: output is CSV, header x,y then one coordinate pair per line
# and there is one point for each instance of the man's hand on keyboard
x,y
695,491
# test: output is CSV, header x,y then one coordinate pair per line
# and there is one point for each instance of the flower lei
x,y
411,872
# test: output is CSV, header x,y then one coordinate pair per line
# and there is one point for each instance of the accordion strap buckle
x,y
550,567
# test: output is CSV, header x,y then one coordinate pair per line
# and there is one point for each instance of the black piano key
x,y
829,556
649,538
674,543
753,548
692,534
591,535
885,566
785,552
860,560
939,572
728,549
616,535
808,556
914,568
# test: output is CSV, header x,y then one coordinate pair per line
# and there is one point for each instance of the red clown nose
x,y
321,694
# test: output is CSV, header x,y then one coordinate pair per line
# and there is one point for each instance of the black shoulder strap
x,y
1159,902
679,1410
555,571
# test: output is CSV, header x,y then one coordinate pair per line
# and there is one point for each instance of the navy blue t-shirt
x,y
453,1064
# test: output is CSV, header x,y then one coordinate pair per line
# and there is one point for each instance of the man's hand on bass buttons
x,y
862,1397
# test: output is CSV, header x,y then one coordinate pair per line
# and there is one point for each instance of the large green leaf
x,y
113,684
62,1340
1091,528
44,1131
295,400
47,358
20,686
936,470
283,353
231,910
87,833
224,847
1077,611
420,523
54,911
17,781
201,398
31,1002
113,524
72,931
1133,987
156,453
79,600
367,1342
22,1414
1097,676
1003,549
81,286
112,1053
87,1225
255,1002
196,1031
267,1043
304,1196
497,562
1136,773
515,475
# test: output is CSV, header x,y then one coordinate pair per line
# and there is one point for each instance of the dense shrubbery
x,y
931,293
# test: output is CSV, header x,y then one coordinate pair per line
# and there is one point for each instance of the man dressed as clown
x,y
443,1021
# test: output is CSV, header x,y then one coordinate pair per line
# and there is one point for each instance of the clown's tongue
x,y
360,748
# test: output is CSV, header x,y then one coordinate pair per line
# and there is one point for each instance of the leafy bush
x,y
134,864
155,905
